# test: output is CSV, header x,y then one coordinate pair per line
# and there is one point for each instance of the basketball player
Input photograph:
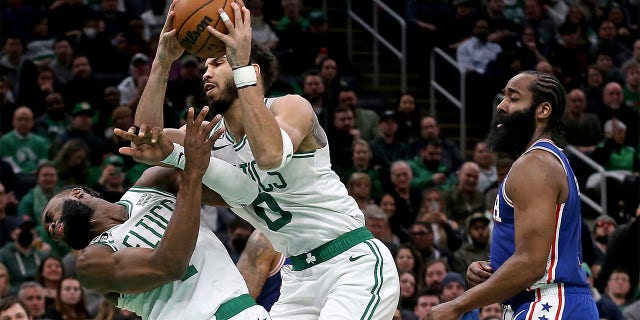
x,y
260,265
148,252
338,269
536,251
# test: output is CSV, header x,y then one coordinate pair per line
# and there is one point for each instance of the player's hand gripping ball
x,y
191,20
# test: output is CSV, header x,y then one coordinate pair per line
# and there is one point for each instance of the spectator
x,y
408,289
154,18
361,157
619,288
131,87
622,165
83,87
377,222
333,80
544,19
606,308
387,148
485,160
366,121
50,275
40,46
261,29
477,248
341,138
631,88
460,26
464,199
608,41
82,128
429,129
21,258
21,148
408,118
603,227
422,240
96,46
569,55
583,129
46,84
36,199
20,72
32,295
12,308
115,20
635,54
475,54
490,312
359,188
61,62
424,302
429,170
453,285
291,29
6,220
314,90
593,88
435,271
70,302
613,105
603,59
406,198
408,259
503,30
71,162
186,90
68,17
446,232
425,20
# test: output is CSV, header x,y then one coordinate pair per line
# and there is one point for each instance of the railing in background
x,y
460,103
602,208
377,38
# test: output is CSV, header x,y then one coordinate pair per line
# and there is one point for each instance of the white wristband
x,y
245,77
176,157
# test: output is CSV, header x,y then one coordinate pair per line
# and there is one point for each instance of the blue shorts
x,y
558,302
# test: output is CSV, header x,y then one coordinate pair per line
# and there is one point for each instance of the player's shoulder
x,y
288,102
536,166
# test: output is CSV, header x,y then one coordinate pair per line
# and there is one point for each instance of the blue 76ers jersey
x,y
565,254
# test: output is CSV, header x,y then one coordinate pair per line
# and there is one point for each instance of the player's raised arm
x,y
150,107
273,134
134,270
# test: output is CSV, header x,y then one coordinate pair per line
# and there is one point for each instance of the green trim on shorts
x,y
330,249
234,306
378,281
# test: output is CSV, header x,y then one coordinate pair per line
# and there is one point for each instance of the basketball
x,y
191,20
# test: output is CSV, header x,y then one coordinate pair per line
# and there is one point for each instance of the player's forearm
x,y
514,276
179,240
261,128
151,103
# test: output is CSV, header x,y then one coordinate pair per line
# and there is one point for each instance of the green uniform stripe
x,y
375,290
234,306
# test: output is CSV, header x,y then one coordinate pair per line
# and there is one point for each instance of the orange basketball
x,y
191,20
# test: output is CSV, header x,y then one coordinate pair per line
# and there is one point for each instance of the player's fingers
x,y
225,19
168,24
121,133
131,152
201,115
133,130
155,133
210,125
190,113
144,128
217,134
246,17
239,19
218,34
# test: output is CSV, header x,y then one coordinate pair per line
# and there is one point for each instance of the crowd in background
x,y
73,70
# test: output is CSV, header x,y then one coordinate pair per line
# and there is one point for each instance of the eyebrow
x,y
506,91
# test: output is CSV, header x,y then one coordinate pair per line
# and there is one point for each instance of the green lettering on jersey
x,y
275,225
269,187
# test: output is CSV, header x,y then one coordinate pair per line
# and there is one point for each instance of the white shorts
x,y
360,283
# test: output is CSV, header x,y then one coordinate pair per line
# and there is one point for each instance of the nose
x,y
501,108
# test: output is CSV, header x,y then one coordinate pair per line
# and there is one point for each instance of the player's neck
x,y
115,215
233,122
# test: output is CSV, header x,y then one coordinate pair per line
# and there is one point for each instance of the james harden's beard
x,y
515,133
229,95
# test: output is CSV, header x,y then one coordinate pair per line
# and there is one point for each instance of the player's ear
x,y
544,110
76,193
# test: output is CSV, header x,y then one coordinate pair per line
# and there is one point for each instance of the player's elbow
x,y
269,159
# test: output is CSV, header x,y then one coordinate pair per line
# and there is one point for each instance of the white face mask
x,y
91,33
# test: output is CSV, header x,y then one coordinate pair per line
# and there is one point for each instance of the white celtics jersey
x,y
211,278
302,205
